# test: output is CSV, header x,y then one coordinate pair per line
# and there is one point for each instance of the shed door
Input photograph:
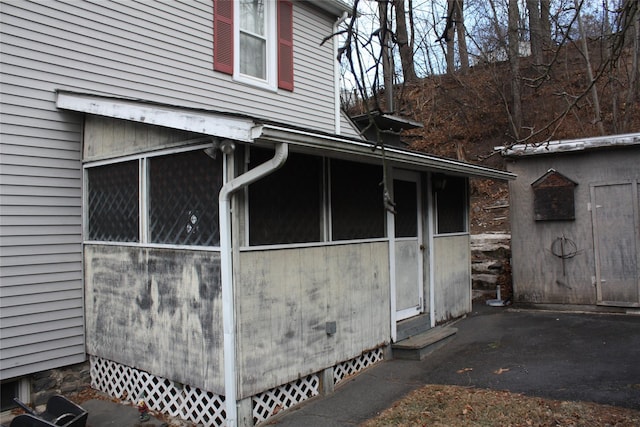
x,y
407,241
614,210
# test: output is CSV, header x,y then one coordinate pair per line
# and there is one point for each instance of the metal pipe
x,y
226,272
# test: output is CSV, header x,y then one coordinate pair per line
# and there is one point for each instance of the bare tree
x,y
514,63
535,30
405,44
590,79
455,27
387,57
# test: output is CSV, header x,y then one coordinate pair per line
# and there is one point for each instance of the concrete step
x,y
420,346
412,326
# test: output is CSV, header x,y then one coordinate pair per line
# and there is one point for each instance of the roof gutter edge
x,y
346,146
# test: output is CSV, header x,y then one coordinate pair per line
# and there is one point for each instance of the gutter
x,y
336,144
226,272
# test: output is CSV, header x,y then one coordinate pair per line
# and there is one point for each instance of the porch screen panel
x,y
183,199
406,218
113,200
357,211
285,206
451,204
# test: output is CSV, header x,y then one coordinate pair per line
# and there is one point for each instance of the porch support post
x,y
226,273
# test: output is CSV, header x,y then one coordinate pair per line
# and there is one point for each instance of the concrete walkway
x,y
560,355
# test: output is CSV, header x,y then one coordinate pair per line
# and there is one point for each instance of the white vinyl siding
x,y
161,52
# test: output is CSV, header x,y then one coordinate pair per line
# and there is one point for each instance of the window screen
x,y
406,200
113,202
183,199
357,211
285,206
451,204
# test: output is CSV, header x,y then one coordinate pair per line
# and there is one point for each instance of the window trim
x,y
271,54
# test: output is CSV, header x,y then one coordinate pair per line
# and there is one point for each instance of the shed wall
x,y
285,298
538,275
158,310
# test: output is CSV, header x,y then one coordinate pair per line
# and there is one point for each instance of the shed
x,y
575,221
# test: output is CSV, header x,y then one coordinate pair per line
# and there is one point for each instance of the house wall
x,y
285,298
158,310
152,50
452,281
161,52
538,275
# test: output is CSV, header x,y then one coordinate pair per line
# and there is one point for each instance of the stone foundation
x,y
67,380
490,264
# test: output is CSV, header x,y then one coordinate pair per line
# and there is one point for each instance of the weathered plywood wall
x,y
105,137
452,287
158,310
538,275
285,299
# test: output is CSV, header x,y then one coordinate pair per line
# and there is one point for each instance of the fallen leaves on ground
x,y
443,405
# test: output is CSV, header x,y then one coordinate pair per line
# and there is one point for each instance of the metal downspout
x,y
226,272
432,259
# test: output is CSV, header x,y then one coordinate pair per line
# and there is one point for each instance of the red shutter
x,y
223,36
285,44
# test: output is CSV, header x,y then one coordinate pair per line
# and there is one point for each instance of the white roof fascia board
x,y
220,125
364,149
571,145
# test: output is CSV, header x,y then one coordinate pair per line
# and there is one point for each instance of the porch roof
x,y
250,129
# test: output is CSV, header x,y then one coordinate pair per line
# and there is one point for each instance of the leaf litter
x,y
446,405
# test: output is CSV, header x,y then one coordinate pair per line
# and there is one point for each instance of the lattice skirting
x,y
160,394
267,404
351,367
205,408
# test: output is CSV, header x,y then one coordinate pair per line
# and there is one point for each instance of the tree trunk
x,y
406,49
462,37
594,90
450,36
514,63
634,77
535,31
387,64
545,24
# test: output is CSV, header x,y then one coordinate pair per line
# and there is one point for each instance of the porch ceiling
x,y
248,130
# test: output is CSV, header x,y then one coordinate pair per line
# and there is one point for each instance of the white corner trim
x,y
208,123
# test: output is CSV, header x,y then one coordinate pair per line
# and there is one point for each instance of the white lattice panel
x,y
351,367
160,394
269,403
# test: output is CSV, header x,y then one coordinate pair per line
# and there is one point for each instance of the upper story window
x,y
253,41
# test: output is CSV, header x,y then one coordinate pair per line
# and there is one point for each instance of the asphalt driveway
x,y
560,355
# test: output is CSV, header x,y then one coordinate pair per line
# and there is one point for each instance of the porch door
x,y
408,244
615,210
